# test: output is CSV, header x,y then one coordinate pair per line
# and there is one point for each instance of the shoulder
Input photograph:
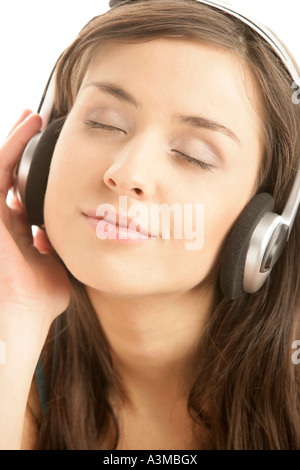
x,y
33,416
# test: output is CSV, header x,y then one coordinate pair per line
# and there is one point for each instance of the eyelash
x,y
181,156
187,159
104,127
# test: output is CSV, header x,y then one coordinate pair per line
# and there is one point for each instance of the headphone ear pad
x,y
235,254
38,173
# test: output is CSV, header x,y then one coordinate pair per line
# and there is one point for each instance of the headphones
x,y
257,238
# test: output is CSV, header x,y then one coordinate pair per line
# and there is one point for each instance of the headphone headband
x,y
276,44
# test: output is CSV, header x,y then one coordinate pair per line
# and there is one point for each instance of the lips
x,y
122,221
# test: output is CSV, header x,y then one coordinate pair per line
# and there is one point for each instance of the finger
x,y
13,148
23,116
42,243
14,218
14,202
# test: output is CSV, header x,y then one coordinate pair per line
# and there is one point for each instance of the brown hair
x,y
246,387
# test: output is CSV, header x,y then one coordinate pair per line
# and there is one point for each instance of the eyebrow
x,y
193,121
115,90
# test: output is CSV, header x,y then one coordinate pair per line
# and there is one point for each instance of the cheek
x,y
73,177
221,208
62,194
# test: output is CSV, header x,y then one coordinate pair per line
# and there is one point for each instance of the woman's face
x,y
163,100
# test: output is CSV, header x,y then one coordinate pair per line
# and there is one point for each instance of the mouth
x,y
123,225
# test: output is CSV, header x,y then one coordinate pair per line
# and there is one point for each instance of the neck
x,y
153,340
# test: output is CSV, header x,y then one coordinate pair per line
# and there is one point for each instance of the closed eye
x,y
105,127
194,161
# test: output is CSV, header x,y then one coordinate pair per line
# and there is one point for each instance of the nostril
x,y
113,183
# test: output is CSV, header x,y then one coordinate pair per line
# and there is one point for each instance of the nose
x,y
135,171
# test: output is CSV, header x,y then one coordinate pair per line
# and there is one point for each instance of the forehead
x,y
174,75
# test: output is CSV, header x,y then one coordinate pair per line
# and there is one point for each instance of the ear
x,y
235,254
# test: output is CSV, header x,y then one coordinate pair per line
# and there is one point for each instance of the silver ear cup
x,y
33,172
266,245
25,163
24,167
238,242
269,239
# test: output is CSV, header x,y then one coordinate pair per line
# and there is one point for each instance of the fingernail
x,y
25,113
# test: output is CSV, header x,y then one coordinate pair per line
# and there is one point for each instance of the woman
x,y
162,102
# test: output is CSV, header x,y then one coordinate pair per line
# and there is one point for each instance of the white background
x,y
33,33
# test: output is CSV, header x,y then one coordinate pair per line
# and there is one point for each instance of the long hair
x,y
246,387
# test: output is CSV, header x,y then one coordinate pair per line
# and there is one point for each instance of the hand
x,y
32,278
